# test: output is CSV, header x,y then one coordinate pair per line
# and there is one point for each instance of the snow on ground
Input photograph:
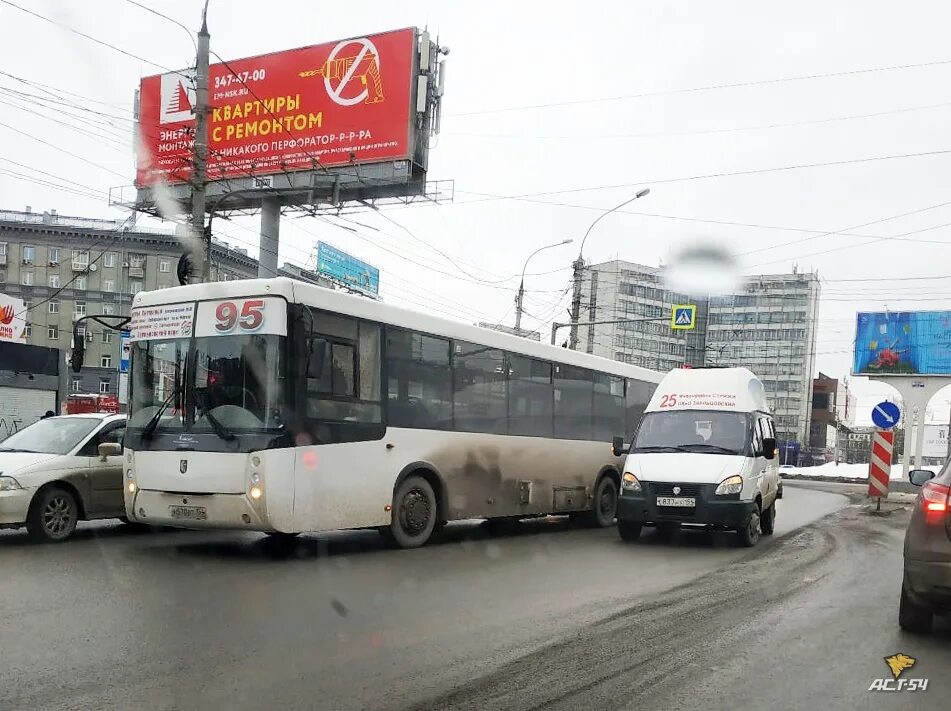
x,y
844,471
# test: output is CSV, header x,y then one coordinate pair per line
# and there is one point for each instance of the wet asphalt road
x,y
181,620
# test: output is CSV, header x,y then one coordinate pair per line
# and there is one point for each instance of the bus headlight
x,y
629,482
256,492
730,485
255,478
130,487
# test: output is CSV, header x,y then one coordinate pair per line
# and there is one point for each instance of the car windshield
x,y
54,435
238,380
693,431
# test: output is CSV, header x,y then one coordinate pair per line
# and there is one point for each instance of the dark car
x,y
926,586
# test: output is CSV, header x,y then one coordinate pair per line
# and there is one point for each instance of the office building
x,y
67,267
768,326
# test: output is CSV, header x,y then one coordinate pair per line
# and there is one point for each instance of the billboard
x,y
340,103
903,343
348,270
12,318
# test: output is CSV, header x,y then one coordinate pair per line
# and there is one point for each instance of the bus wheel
x,y
604,506
414,513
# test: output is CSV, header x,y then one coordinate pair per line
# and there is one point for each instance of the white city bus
x,y
278,406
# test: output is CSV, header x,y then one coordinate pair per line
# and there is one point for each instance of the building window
x,y
105,361
135,287
28,330
80,258
3,252
136,261
107,335
80,308
54,281
164,266
110,259
108,285
54,256
108,309
52,332
76,384
104,386
29,254
80,283
26,278
54,307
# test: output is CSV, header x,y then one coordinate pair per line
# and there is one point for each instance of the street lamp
x,y
578,267
521,285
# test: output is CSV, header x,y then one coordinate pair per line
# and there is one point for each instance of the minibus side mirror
x,y
617,446
769,447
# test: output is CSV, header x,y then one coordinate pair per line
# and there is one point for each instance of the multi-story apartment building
x,y
67,267
768,326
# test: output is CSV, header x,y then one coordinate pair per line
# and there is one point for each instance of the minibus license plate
x,y
192,513
685,501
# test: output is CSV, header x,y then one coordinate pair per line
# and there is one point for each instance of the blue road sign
x,y
886,415
683,317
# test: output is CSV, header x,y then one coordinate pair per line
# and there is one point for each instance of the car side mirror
x,y
109,449
920,476
769,447
617,446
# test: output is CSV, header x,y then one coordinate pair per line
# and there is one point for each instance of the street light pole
x,y
578,268
521,285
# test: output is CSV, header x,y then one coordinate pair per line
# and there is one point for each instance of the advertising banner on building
x,y
903,343
341,103
12,318
349,270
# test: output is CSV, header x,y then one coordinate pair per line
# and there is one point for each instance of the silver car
x,y
926,585
62,470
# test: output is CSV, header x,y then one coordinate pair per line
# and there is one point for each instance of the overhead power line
x,y
84,35
708,87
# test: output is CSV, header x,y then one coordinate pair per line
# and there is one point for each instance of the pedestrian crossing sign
x,y
684,317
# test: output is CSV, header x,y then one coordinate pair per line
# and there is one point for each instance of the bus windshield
x,y
236,380
703,431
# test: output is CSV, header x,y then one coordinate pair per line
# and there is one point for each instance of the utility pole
x,y
578,274
520,298
200,162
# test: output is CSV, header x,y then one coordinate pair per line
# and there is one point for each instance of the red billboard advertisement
x,y
329,104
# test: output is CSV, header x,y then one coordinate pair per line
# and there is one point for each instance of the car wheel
x,y
749,534
768,520
666,531
629,530
604,506
913,617
414,513
53,515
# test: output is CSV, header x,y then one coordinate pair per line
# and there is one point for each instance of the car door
x,y
105,477
770,467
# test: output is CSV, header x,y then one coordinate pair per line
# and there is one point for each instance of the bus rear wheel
x,y
414,513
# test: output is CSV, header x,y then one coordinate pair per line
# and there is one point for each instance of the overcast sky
x,y
615,117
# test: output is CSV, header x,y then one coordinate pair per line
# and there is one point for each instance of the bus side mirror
x,y
769,447
617,446
79,349
315,357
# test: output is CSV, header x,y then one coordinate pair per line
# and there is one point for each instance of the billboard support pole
x,y
200,157
270,237
915,392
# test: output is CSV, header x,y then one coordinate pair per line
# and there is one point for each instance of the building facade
x,y
67,267
769,326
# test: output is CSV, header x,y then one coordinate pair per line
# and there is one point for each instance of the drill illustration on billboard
x,y
365,63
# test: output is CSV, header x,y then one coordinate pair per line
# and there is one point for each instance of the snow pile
x,y
844,471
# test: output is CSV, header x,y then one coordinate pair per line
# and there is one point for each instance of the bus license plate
x,y
685,501
192,513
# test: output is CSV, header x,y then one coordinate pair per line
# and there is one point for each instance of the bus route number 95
x,y
248,316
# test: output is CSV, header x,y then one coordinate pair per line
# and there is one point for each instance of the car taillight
x,y
934,498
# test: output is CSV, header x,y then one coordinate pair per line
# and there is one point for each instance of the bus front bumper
x,y
162,508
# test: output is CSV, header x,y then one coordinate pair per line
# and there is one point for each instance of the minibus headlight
x,y
629,482
730,485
